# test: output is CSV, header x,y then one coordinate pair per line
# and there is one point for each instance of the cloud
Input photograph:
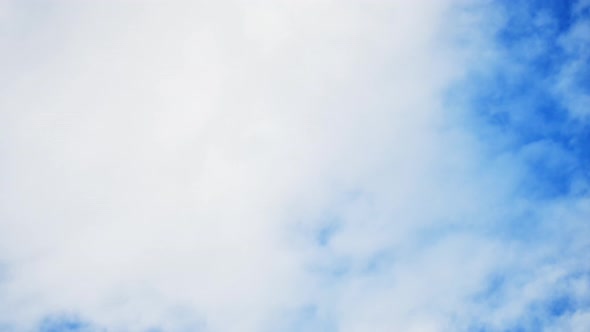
x,y
321,166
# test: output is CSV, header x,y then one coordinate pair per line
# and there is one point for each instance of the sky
x,y
295,165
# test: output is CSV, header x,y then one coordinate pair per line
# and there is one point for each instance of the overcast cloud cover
x,y
329,166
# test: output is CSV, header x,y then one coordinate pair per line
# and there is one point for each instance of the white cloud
x,y
170,165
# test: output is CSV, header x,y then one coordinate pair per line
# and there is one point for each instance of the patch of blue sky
x,y
524,12
548,310
493,289
330,222
515,104
546,313
327,232
74,323
66,323
517,112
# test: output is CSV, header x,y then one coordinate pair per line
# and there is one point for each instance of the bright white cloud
x,y
256,166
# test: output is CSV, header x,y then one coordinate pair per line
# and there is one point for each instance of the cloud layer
x,y
294,166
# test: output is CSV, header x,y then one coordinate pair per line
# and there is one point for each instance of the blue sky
x,y
330,166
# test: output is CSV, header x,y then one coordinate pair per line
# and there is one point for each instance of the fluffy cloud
x,y
308,165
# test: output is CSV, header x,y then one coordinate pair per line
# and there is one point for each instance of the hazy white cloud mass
x,y
277,166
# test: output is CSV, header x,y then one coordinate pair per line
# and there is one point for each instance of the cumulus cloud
x,y
293,166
